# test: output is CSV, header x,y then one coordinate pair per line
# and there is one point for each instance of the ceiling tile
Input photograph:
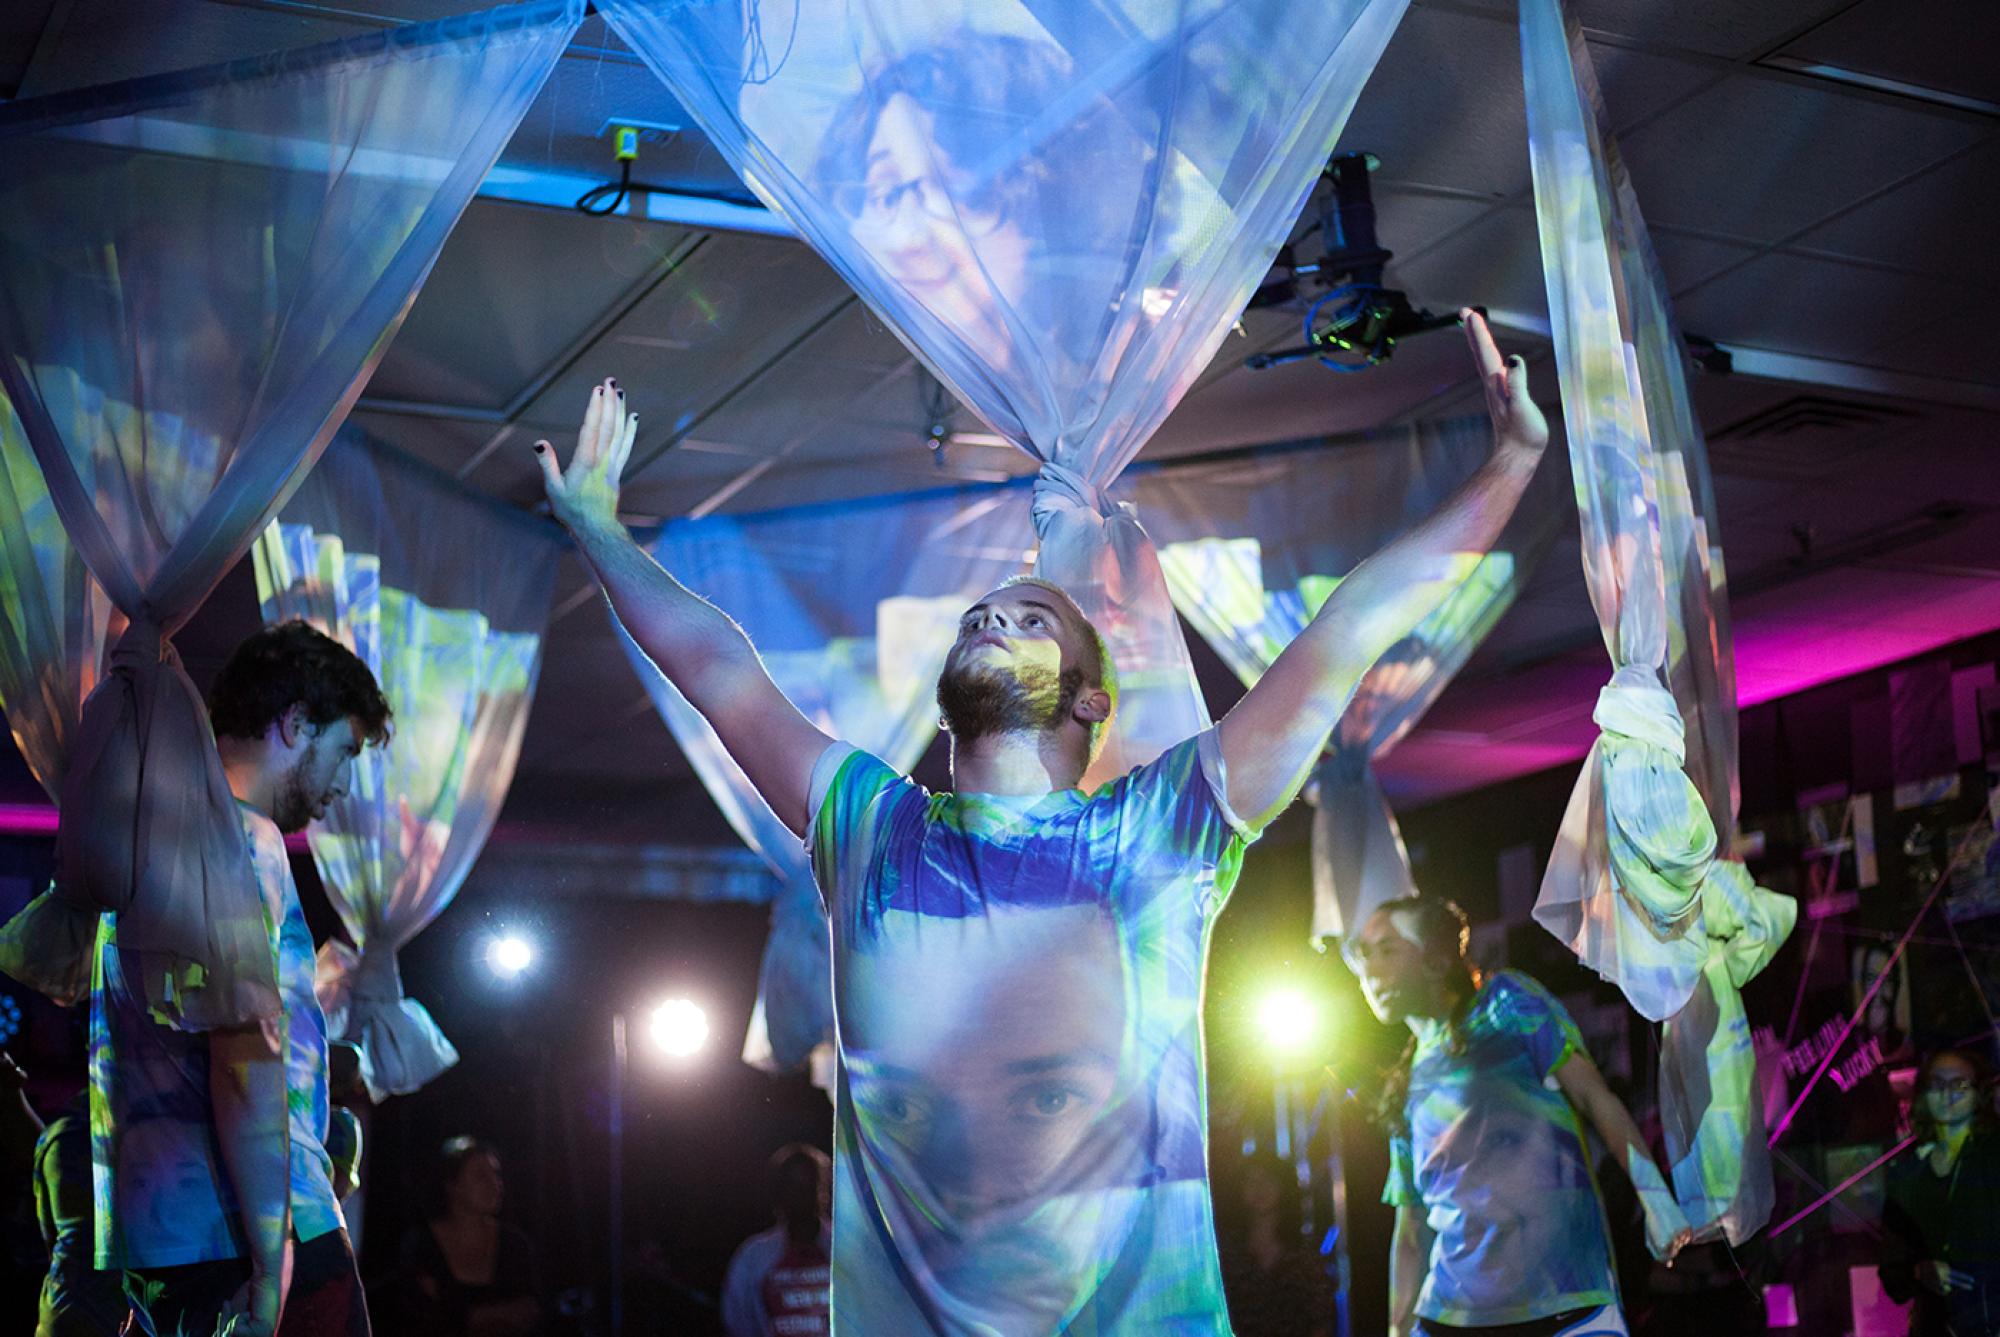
x,y
1942,223
1819,308
1466,132
105,41
1731,28
1762,158
1954,337
478,334
1949,45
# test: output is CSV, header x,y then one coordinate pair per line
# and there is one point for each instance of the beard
x,y
296,800
983,702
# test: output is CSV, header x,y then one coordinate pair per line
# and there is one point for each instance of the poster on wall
x,y
1974,886
1838,831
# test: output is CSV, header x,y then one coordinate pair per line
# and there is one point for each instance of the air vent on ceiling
x,y
1802,437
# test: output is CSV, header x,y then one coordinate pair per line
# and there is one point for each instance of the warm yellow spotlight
x,y
1288,1020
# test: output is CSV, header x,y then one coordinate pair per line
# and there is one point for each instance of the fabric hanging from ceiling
x,y
1251,549
198,272
1636,886
446,598
53,616
860,657
1060,209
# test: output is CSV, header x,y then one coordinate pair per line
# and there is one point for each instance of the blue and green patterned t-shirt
x,y
163,1196
1020,1122
1495,1157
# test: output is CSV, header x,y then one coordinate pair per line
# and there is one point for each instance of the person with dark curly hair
x,y
1941,1220
1499,1226
212,1180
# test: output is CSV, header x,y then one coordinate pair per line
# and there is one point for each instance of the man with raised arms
x,y
1020,1123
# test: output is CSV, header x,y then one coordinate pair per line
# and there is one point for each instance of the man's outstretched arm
x,y
700,649
1272,737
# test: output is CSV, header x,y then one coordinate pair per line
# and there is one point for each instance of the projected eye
x,y
1048,1101
899,1108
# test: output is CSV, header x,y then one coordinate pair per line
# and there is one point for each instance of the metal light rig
x,y
1355,322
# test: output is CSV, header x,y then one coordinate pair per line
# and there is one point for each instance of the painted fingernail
x,y
541,446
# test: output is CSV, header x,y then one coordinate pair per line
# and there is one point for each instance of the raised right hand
x,y
585,495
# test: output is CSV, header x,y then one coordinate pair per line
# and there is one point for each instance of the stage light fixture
x,y
678,1027
509,955
1288,1021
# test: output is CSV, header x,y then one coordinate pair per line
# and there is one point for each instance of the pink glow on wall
x,y
27,819
1807,632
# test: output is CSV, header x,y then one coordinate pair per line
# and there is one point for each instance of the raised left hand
x,y
1518,423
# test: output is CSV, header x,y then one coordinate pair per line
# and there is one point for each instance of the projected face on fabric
x,y
944,165
1004,1115
1503,1163
935,235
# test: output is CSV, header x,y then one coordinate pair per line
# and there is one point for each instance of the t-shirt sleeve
x,y
1400,1189
1173,814
846,812
1532,1012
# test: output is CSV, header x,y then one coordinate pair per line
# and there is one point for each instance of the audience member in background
x,y
1941,1222
343,1132
1488,1170
777,1282
23,1260
211,1171
343,1150
465,1272
1275,1281
77,1300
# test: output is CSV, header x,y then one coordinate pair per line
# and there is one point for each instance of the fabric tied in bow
x,y
400,1046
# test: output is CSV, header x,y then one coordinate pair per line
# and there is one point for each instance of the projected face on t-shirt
x,y
999,1113
1505,1162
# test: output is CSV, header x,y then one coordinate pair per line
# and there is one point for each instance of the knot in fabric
x,y
1634,704
1657,830
376,979
143,645
1060,489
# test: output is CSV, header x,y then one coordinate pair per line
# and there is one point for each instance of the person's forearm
x,y
247,1091
1388,595
691,640
1614,1124
1408,1260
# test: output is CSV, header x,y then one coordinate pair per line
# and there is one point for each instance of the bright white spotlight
x,y
509,955
1288,1019
677,1027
